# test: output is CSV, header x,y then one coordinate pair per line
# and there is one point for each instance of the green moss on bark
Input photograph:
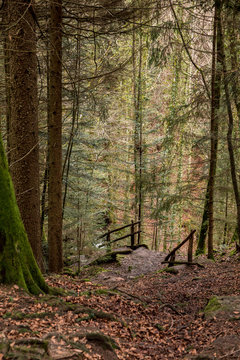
x,y
17,263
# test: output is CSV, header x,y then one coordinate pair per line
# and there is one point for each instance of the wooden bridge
x,y
170,259
107,242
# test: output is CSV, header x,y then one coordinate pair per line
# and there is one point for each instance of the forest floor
x,y
153,314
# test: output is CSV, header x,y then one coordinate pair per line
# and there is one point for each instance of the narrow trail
x,y
140,262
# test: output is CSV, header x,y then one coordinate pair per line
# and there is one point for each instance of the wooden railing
x,y
132,234
170,258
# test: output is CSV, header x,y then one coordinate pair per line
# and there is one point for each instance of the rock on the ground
x,y
224,307
224,347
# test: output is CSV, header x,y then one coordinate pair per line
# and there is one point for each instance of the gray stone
x,y
224,347
224,307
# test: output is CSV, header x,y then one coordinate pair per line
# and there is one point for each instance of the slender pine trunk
x,y
230,130
55,139
215,103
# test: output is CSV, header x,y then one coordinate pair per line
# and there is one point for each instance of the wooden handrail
x,y
118,229
131,235
125,236
172,253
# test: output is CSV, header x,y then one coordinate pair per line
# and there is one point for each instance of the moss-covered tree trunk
x,y
232,156
17,263
208,214
215,105
23,129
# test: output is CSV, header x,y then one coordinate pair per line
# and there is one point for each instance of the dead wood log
x,y
182,263
171,307
131,295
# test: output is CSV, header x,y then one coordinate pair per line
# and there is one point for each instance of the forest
x,y
119,179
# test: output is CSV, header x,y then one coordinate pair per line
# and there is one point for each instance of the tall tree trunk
x,y
140,135
230,131
225,230
45,176
43,198
74,125
215,103
7,88
138,127
208,218
17,263
23,130
55,139
204,225
134,80
233,45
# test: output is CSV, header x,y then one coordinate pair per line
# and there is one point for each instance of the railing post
x,y
132,235
190,249
172,260
139,234
108,242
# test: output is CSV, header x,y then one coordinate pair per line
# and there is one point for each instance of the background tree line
x,y
118,110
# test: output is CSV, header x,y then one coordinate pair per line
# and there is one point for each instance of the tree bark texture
x,y
7,81
23,129
17,263
138,129
55,139
233,46
215,103
230,131
204,226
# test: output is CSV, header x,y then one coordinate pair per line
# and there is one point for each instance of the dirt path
x,y
140,262
129,267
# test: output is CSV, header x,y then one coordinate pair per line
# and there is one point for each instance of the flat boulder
x,y
224,347
223,307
